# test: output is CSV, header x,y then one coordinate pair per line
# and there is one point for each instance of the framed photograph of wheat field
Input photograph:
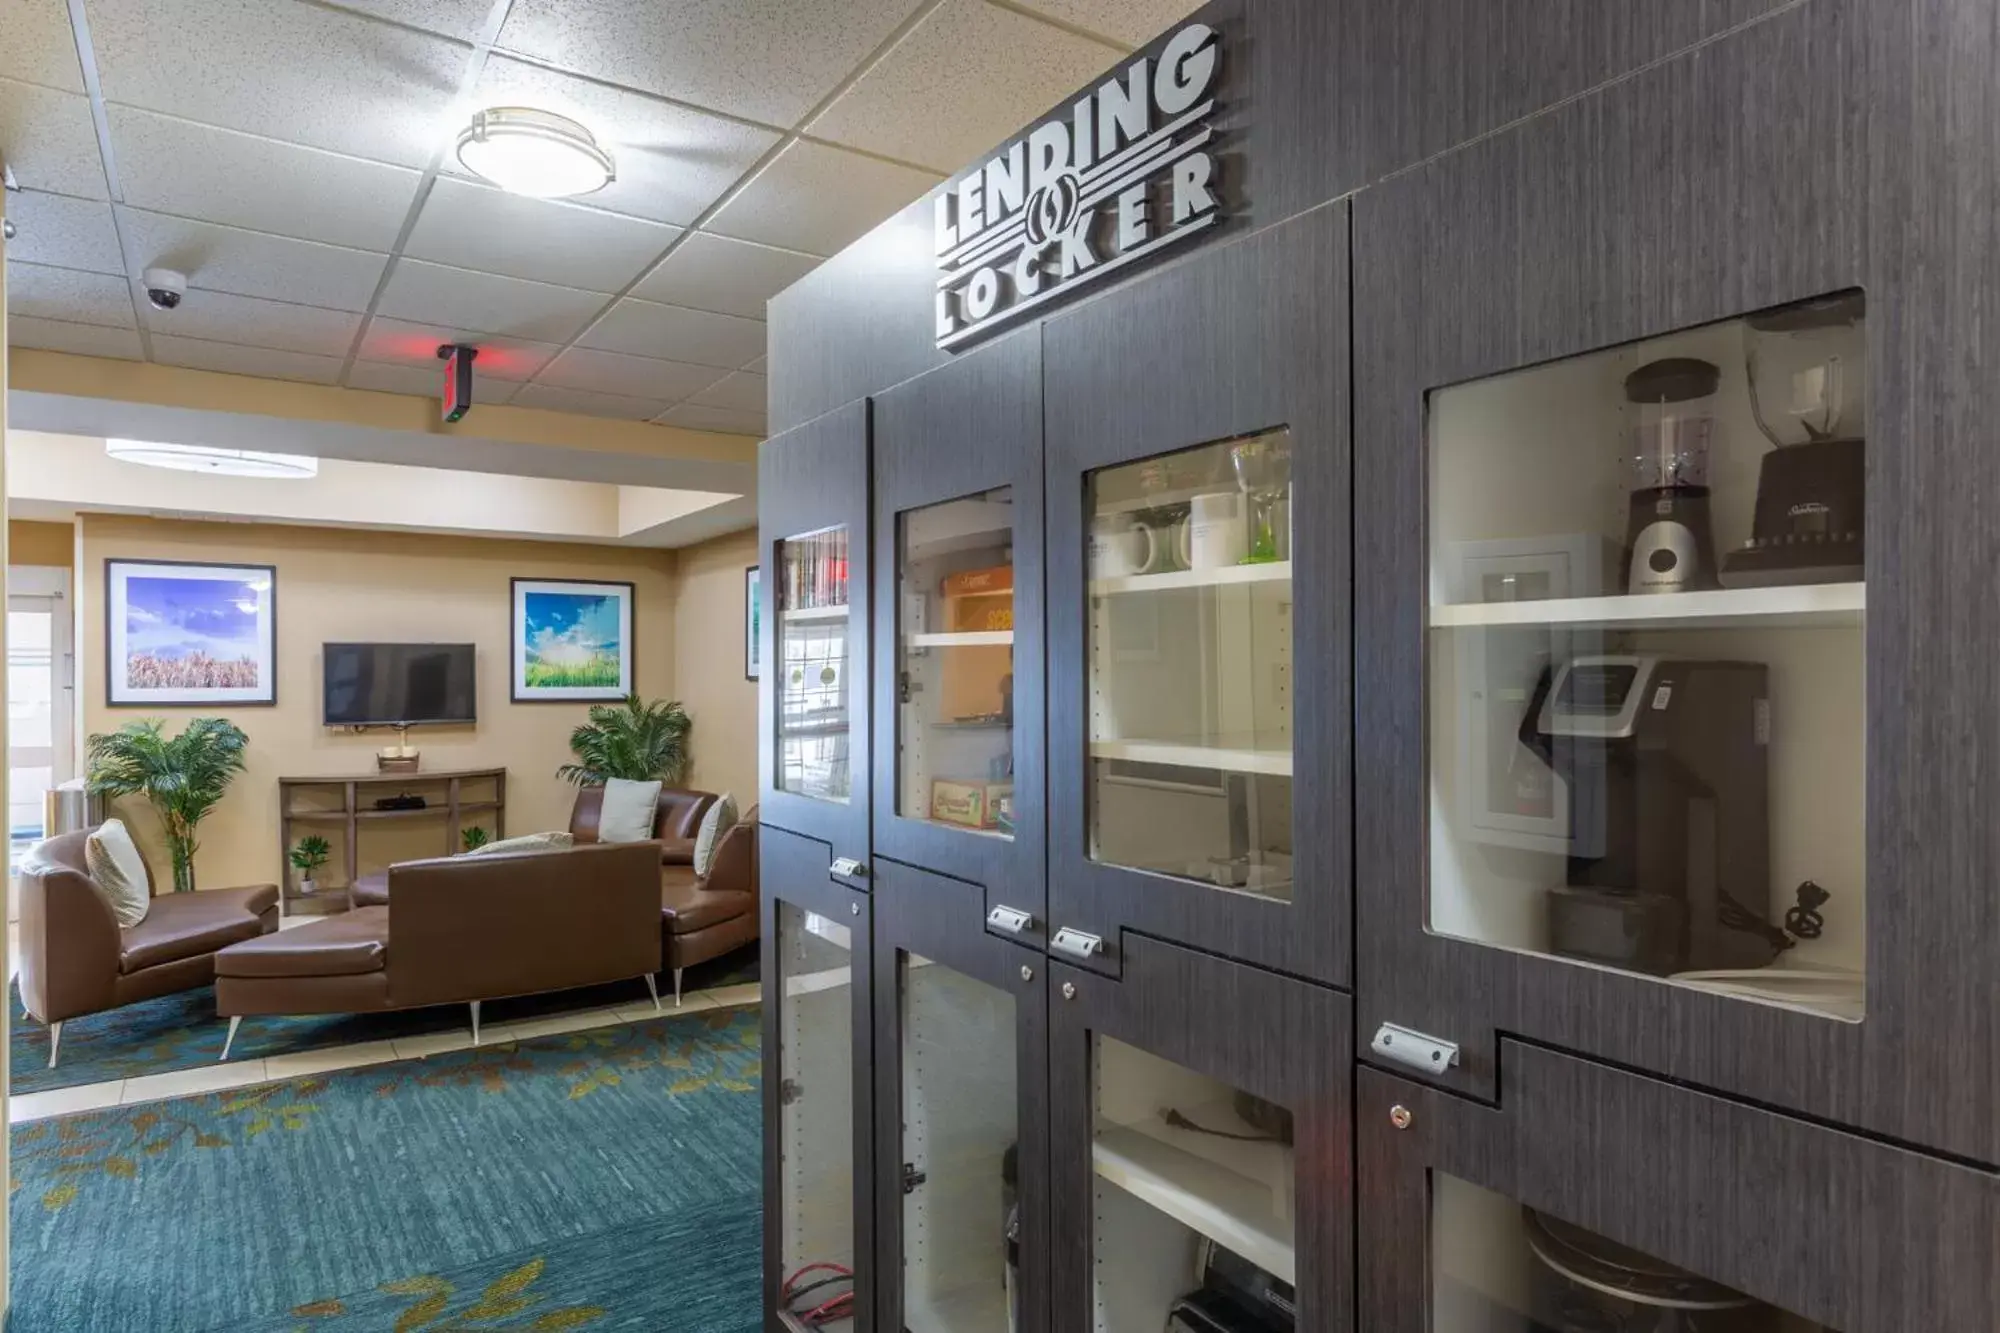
x,y
571,640
189,633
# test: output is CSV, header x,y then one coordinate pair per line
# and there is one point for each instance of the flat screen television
x,y
397,684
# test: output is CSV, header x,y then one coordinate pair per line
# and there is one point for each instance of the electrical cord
x,y
1803,921
840,1306
1179,1121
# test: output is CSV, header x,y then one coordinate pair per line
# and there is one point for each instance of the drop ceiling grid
x,y
343,199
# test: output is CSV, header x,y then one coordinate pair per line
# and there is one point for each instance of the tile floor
x,y
240,1073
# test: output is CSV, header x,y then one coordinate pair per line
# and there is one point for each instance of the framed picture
x,y
572,639
753,587
189,634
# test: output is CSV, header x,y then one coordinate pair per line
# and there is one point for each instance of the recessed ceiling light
x,y
215,462
536,153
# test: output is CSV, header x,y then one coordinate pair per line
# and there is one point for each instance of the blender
x,y
1671,407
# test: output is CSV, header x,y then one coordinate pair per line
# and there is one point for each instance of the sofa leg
x,y
653,989
230,1040
475,1022
55,1041
677,986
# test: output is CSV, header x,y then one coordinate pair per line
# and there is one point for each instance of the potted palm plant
x,y
183,777
635,740
307,858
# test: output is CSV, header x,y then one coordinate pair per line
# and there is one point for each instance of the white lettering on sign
x,y
1124,173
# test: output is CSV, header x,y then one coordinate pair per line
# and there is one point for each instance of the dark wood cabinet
x,y
1198,1104
819,1209
1198,576
960,726
1477,1217
813,642
962,1190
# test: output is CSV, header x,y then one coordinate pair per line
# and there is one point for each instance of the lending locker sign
x,y
1126,173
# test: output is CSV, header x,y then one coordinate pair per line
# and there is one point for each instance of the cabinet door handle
x,y
1418,1050
849,867
1081,943
1010,919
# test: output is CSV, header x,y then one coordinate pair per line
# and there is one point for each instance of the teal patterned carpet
x,y
597,1181
182,1031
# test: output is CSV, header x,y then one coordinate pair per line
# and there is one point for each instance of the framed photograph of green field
x,y
572,639
189,633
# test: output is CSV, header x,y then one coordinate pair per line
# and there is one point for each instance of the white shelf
x,y
810,613
968,638
1806,606
1237,1194
1220,577
1277,763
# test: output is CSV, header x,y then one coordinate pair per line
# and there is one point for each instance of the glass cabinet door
x,y
815,675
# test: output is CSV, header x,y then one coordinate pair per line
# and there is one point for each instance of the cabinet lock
x,y
1406,1046
1080,943
1010,919
848,866
912,1178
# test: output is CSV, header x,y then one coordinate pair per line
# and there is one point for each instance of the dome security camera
x,y
165,288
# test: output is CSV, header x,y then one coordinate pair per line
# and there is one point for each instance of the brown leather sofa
x,y
460,929
702,919
675,822
76,959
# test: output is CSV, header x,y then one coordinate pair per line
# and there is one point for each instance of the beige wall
x,y
30,543
335,584
708,664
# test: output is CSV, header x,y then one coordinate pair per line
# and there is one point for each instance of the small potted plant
x,y
307,858
474,838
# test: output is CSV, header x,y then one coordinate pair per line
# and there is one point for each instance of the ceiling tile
x,y
82,339
40,47
424,383
244,180
397,342
675,333
65,232
741,392
1133,22
460,19
633,376
49,140
220,317
709,272
331,79
484,303
1025,67
767,60
672,161
556,399
35,291
817,198
250,263
696,417
264,362
479,227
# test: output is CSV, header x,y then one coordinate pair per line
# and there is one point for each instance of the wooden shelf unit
x,y
357,793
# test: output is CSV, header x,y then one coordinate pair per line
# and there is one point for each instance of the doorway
x,y
40,694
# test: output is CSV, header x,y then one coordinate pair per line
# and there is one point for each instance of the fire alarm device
x,y
457,397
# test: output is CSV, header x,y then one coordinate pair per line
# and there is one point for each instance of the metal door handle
x,y
1080,943
1010,919
1420,1051
849,867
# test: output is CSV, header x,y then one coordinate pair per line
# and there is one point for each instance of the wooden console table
x,y
357,807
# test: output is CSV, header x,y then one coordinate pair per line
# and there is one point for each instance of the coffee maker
x,y
1665,764
1671,407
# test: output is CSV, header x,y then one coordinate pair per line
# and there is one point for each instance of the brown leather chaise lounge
x,y
459,930
76,959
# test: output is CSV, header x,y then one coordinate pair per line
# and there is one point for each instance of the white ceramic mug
x,y
1215,535
1120,547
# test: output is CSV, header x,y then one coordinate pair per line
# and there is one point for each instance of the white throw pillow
x,y
721,818
627,812
527,842
120,871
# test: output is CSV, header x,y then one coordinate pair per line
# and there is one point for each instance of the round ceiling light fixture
x,y
536,153
215,462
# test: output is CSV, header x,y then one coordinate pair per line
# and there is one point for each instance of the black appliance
x,y
1671,406
1665,762
1807,374
397,684
1584,1283
1235,1296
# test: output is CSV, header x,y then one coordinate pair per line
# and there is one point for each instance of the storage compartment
x,y
813,725
816,1116
1190,664
1194,1199
1647,599
955,648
